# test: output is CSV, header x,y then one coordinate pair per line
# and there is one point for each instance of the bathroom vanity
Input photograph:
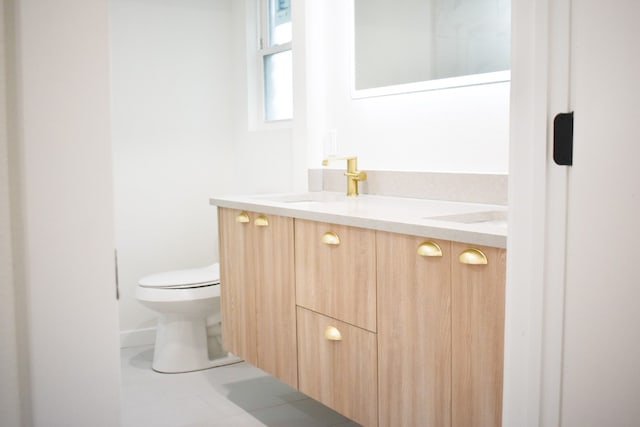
x,y
388,310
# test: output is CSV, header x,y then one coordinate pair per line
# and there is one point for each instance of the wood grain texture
x,y
340,374
414,333
237,286
258,292
275,299
337,280
477,338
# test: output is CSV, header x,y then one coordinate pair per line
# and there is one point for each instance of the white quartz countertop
x,y
475,223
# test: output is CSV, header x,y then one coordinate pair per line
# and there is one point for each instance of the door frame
x,y
534,322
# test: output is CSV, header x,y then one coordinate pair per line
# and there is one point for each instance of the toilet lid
x,y
190,278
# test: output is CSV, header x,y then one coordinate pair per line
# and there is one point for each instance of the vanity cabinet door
x,y
338,366
275,297
477,334
414,331
257,290
237,284
336,271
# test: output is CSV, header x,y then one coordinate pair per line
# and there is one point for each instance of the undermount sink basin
x,y
495,218
311,197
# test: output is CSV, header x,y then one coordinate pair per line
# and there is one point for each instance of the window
x,y
275,58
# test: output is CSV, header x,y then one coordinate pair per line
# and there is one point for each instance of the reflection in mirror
x,y
408,41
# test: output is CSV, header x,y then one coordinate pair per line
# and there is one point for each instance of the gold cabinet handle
x,y
332,333
330,238
242,217
261,221
473,257
429,249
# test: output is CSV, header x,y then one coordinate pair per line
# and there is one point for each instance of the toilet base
x,y
182,345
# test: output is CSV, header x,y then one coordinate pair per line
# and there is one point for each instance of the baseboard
x,y
137,337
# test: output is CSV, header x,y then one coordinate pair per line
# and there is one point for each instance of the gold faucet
x,y
353,174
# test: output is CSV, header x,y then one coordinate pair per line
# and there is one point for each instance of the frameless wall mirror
x,y
414,45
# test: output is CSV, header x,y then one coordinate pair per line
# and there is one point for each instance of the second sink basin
x,y
495,218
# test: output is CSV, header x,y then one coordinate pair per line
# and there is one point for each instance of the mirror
x,y
413,45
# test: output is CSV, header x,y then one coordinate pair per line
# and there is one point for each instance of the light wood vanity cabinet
x,y
237,287
257,290
477,344
418,338
414,331
440,332
336,288
338,365
336,271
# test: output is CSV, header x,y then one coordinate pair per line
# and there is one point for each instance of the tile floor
x,y
237,395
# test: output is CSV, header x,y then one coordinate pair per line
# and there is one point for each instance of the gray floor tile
x,y
238,395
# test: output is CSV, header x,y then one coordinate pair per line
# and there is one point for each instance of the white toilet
x,y
188,335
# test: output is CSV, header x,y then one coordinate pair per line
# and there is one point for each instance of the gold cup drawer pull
x,y
473,257
332,333
429,249
261,221
330,238
243,217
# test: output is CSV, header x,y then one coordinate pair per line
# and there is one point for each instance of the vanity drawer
x,y
336,271
338,366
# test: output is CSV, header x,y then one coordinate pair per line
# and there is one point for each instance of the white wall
x,y
264,160
181,135
451,130
69,317
172,137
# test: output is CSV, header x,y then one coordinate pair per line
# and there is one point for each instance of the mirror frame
x,y
427,85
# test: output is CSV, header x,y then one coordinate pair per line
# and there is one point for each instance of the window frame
x,y
263,50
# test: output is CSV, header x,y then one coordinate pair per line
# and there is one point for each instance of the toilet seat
x,y
188,306
180,285
178,294
183,279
